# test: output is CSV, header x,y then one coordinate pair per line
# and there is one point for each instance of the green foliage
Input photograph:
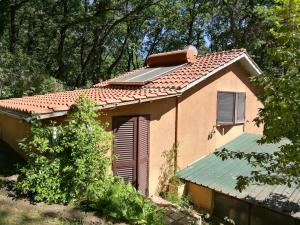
x,y
184,201
20,75
62,221
175,180
169,168
280,94
240,24
122,202
79,42
64,160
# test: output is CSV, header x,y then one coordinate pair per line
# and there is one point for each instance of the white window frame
x,y
234,116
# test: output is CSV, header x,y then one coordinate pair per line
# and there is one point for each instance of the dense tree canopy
x,y
54,44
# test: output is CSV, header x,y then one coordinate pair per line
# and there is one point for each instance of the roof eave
x,y
42,116
246,62
16,114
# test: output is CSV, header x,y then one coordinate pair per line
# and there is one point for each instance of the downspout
x,y
176,136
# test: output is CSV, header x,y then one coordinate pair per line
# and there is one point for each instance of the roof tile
x,y
103,93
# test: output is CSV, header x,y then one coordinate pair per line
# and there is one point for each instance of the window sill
x,y
230,124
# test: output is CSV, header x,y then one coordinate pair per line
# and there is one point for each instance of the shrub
x,y
184,202
175,180
122,202
64,160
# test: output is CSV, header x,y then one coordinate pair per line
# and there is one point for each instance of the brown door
x,y
143,154
131,147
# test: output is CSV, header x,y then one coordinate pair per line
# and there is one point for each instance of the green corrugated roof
x,y
219,175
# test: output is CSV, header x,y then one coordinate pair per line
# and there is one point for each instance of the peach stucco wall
x,y
198,134
162,133
12,130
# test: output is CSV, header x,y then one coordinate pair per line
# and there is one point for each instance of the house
x,y
198,102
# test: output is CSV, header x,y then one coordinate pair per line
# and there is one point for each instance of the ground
x,y
15,211
20,211
175,215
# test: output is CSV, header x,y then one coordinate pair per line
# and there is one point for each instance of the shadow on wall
x,y
278,202
224,129
8,160
211,133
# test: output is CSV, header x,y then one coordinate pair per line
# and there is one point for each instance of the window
x,y
231,107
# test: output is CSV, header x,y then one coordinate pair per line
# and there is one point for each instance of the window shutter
x,y
240,107
143,154
125,130
225,108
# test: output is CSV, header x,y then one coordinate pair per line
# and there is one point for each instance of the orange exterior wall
x,y
202,197
12,130
162,133
198,134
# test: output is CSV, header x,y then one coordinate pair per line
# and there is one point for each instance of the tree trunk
x,y
61,44
12,33
118,58
191,25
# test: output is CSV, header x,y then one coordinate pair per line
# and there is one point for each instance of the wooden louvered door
x,y
131,146
143,154
125,148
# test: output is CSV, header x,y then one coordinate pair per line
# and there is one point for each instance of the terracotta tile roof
x,y
103,94
61,101
190,72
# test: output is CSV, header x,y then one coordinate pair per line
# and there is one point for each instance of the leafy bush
x,y
185,201
175,180
65,160
115,199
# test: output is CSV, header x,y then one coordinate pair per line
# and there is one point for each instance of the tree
x,y
65,160
281,99
20,75
240,24
78,43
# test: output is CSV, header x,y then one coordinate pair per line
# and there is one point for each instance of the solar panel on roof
x,y
145,75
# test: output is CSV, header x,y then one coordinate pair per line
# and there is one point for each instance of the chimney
x,y
187,55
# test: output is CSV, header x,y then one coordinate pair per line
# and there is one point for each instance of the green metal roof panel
x,y
220,176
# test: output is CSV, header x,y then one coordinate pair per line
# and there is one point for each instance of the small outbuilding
x,y
211,184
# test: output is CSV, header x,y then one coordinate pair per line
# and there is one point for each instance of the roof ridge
x,y
241,50
132,87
